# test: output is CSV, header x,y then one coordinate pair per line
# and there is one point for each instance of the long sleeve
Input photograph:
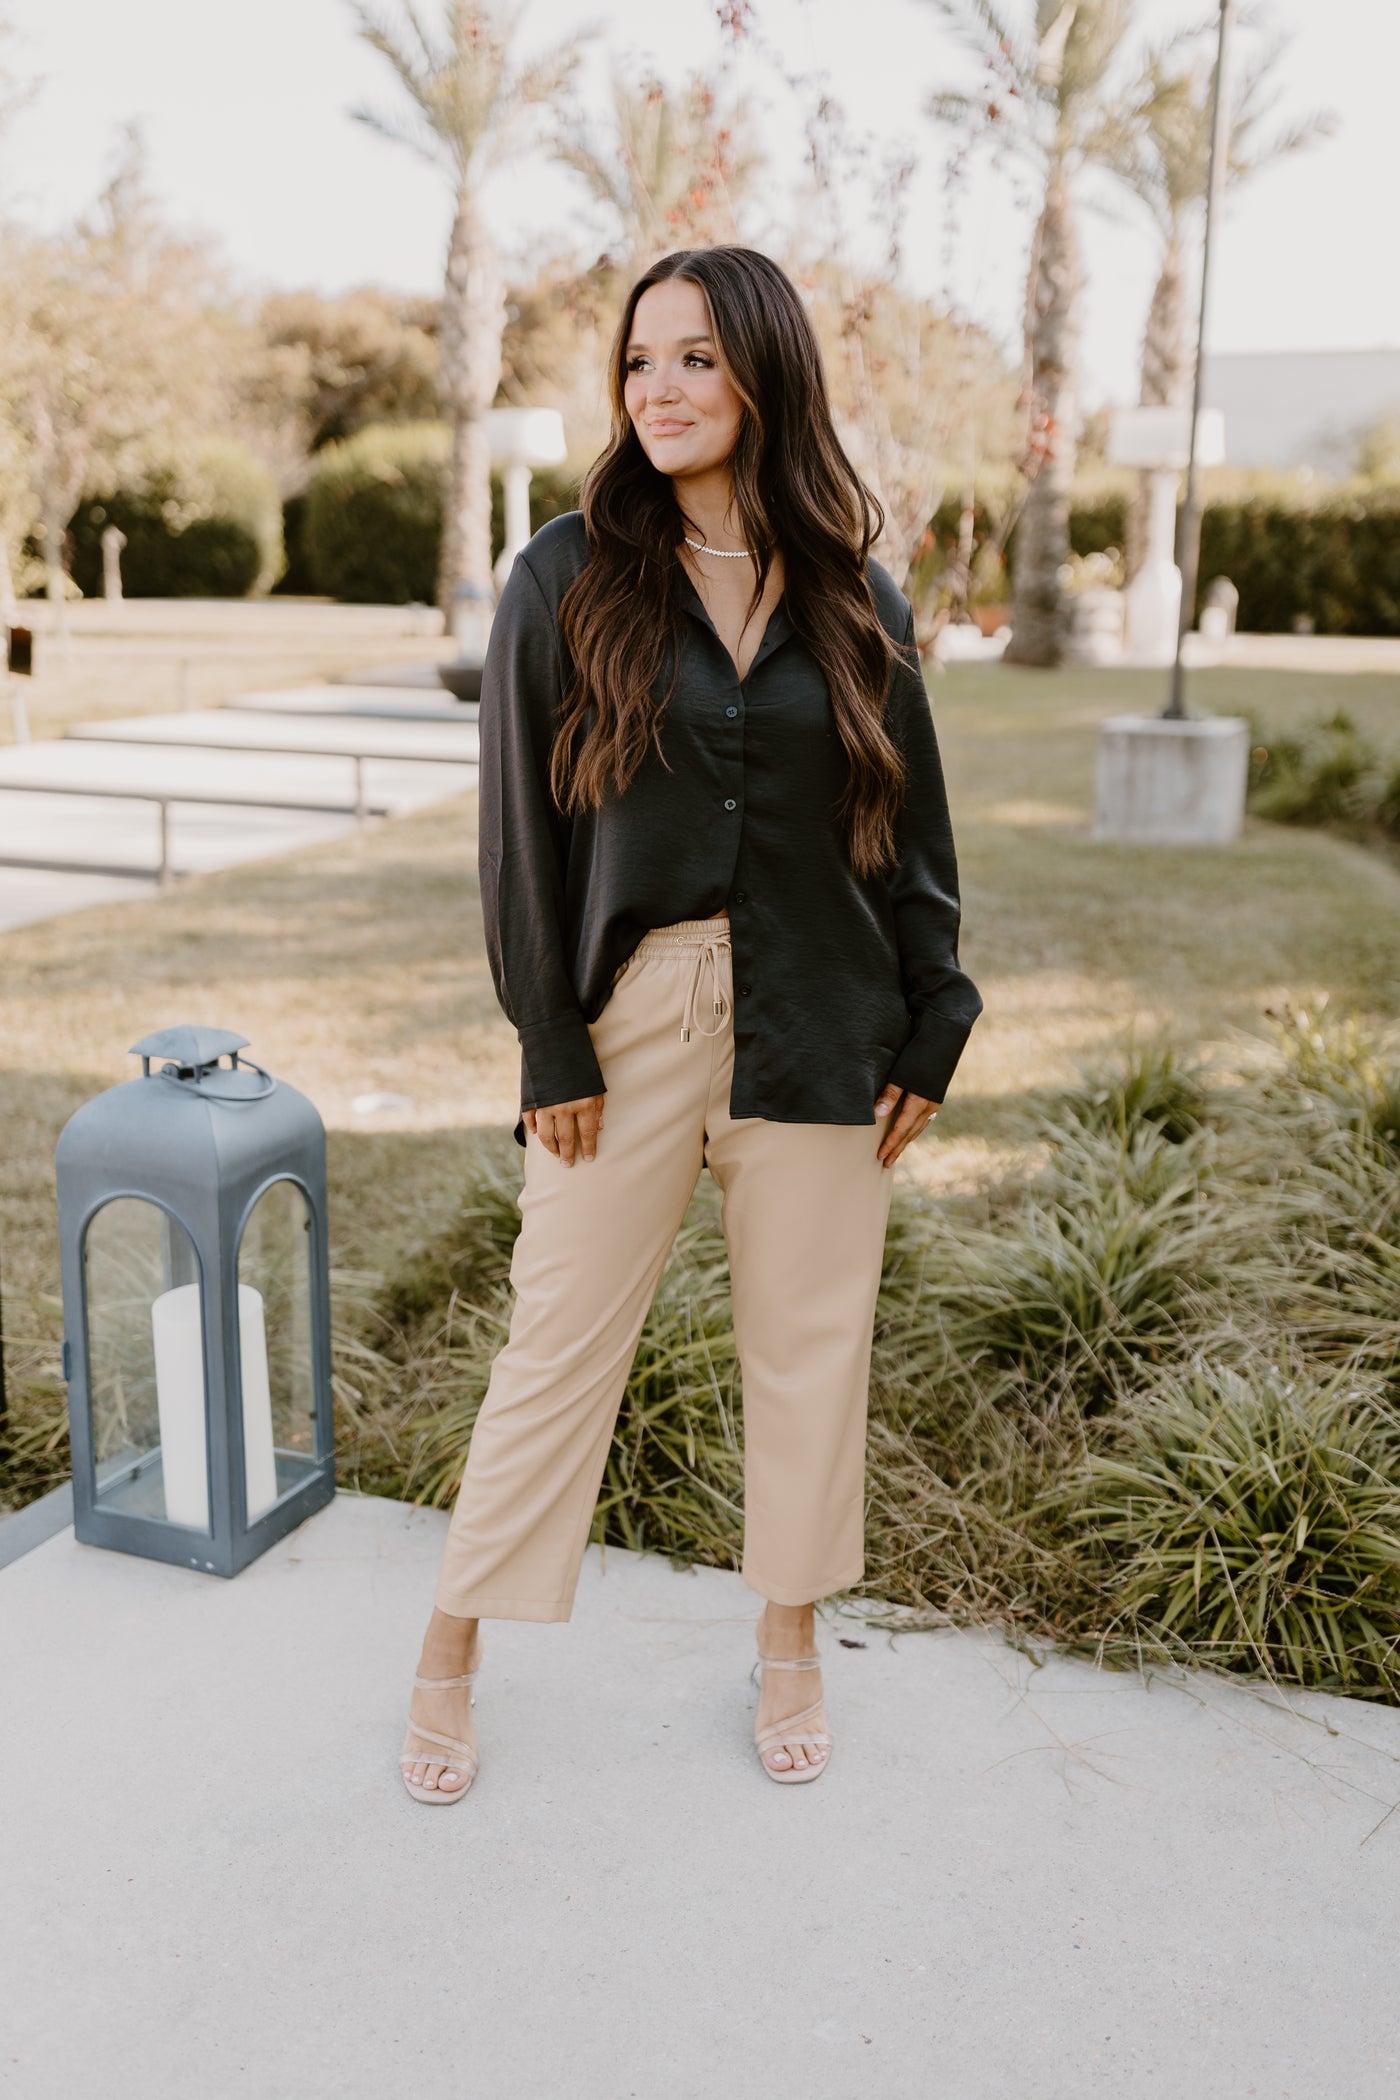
x,y
942,999
523,842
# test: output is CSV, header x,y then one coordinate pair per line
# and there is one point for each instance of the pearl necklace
x,y
725,553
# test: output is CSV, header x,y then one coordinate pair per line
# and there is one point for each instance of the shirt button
x,y
741,897
745,988
731,803
731,710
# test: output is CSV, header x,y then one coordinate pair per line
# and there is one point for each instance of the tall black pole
x,y
1189,536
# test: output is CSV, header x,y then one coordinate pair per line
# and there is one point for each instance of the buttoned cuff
x,y
928,1060
558,1062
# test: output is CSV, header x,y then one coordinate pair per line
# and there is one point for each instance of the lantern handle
x,y
194,1086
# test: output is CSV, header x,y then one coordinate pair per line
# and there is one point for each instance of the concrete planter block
x,y
1172,783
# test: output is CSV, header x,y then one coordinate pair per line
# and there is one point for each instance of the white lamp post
x,y
522,438
1158,440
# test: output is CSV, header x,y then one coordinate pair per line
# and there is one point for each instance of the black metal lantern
x,y
192,1222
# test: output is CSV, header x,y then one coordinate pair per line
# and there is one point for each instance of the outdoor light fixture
x,y
192,1226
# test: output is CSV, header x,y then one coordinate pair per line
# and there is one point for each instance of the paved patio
x,y
1013,1883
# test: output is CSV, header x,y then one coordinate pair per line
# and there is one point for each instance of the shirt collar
x,y
778,630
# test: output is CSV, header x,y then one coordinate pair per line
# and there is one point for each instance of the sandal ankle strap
x,y
442,1684
803,1662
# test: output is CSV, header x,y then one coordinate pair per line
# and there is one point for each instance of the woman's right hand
x,y
568,1127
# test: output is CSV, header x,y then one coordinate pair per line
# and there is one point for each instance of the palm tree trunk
x,y
1039,611
1165,379
473,324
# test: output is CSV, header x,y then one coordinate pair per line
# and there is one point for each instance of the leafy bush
x,y
204,524
372,524
1336,563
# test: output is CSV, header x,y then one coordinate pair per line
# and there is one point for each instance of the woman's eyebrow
x,y
683,343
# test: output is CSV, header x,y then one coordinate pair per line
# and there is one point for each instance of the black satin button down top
x,y
842,984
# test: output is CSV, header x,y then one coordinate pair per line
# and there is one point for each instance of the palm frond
x,y
401,129
981,28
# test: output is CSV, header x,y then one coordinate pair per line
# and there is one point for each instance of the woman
x,y
721,909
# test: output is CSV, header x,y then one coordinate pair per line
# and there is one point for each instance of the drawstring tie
x,y
708,949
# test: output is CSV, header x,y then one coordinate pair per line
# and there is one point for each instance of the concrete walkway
x,y
1012,1884
371,698
63,851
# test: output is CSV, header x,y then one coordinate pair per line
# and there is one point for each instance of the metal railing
x,y
358,759
361,809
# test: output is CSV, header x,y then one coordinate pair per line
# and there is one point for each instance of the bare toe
x,y
779,1759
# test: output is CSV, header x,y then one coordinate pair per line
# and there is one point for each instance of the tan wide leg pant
x,y
805,1206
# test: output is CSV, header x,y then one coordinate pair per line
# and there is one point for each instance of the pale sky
x,y
245,112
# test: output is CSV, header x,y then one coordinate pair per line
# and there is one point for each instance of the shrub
x,y
296,580
1325,773
1155,1086
204,524
1335,563
1253,1521
372,524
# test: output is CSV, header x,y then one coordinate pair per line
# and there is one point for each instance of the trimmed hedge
x,y
1335,565
370,524
207,524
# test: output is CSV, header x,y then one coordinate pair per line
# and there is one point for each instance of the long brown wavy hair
x,y
794,491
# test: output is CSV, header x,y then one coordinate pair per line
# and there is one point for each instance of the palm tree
x,y
1047,86
674,170
1158,141
466,103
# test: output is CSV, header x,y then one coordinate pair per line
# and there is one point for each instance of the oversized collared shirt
x,y
842,983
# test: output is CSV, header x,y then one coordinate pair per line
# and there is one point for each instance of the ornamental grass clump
x,y
1328,772
1348,1074
1252,1520
1119,1250
1156,1086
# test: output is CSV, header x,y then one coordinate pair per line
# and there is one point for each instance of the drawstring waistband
x,y
706,940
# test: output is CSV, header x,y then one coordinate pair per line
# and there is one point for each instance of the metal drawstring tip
x,y
685,1035
718,1008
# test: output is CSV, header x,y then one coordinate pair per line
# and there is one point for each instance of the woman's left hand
x,y
912,1118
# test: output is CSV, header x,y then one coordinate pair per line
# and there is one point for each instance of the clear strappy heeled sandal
x,y
793,1729
462,1758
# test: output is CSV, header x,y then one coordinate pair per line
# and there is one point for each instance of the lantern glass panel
x,y
276,1345
145,1341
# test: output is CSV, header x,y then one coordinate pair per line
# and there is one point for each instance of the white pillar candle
x,y
177,1329
259,1461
